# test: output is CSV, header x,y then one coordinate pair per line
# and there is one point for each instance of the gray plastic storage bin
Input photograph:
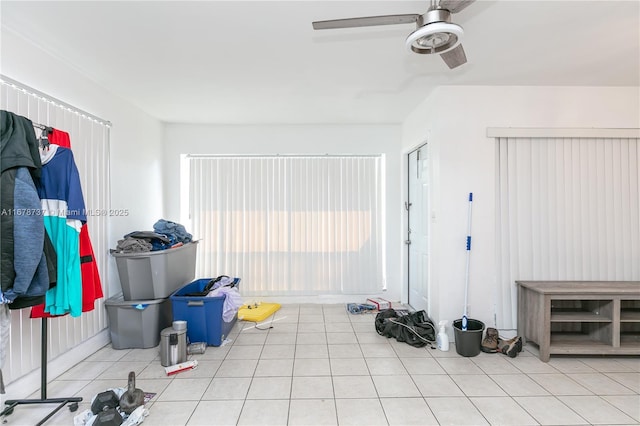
x,y
156,274
137,323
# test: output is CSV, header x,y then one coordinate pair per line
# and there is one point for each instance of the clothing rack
x,y
12,403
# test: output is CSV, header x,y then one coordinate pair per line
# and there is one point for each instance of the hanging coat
x,y
23,271
90,277
63,213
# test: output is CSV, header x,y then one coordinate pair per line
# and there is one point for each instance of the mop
x,y
466,283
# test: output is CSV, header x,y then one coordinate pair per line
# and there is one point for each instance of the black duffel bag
x,y
414,328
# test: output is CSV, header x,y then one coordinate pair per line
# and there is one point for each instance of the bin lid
x,y
169,331
118,300
155,252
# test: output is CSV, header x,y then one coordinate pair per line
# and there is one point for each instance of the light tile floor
x,y
319,365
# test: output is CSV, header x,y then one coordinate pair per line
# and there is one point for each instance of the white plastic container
x,y
442,339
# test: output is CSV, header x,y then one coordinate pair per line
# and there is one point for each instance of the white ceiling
x,y
261,61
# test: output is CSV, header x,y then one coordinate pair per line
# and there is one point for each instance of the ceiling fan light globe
x,y
434,41
435,37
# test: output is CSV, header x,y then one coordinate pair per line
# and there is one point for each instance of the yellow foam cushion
x,y
257,314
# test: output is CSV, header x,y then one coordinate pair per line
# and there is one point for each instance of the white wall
x,y
135,157
135,136
454,121
293,139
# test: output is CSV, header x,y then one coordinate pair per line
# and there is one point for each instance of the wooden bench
x,y
580,317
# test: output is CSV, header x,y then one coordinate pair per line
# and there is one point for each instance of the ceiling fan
x,y
435,33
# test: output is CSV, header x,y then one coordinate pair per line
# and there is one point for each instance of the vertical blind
x,y
290,225
90,145
567,209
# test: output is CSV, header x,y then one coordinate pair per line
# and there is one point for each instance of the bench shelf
x,y
580,317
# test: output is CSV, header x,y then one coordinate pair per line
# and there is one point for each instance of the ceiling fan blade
x,y
455,6
454,57
367,21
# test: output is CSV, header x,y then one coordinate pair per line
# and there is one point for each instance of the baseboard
x,y
28,384
507,333
320,299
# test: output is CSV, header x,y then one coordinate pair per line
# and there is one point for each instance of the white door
x,y
418,229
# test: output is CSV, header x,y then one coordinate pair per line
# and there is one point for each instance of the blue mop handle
x,y
469,223
466,288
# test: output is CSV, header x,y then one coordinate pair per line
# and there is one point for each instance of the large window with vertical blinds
x,y
567,209
290,225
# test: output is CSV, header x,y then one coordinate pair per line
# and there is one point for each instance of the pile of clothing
x,y
165,235
223,285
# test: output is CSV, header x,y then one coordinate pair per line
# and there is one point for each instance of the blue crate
x,y
202,314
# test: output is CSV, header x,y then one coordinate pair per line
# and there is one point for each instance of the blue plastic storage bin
x,y
202,314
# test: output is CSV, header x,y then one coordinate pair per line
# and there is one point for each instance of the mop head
x,y
257,312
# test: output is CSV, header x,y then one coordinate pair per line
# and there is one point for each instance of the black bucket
x,y
469,341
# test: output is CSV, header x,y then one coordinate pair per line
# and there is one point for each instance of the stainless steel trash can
x,y
173,346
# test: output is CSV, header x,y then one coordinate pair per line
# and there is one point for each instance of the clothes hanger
x,y
44,135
